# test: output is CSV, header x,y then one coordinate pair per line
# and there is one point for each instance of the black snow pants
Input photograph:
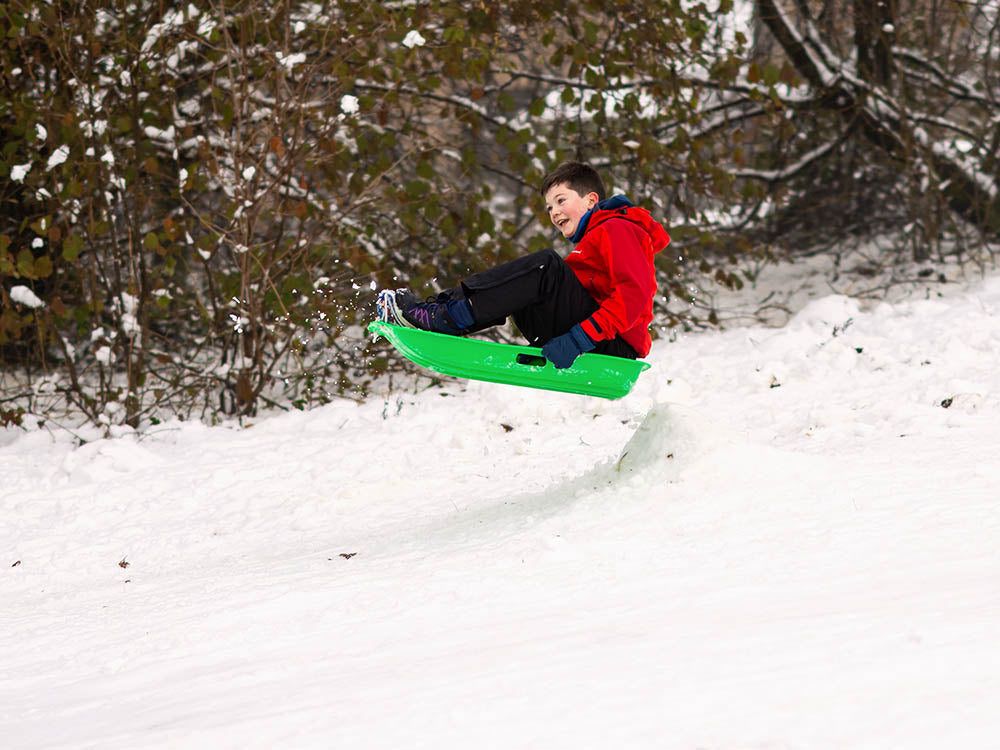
x,y
543,296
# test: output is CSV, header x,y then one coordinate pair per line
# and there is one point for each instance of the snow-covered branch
x,y
791,170
897,125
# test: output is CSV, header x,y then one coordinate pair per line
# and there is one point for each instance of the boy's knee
x,y
548,260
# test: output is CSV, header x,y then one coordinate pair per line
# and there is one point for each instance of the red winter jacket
x,y
614,262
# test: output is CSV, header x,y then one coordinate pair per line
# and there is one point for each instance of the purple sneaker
x,y
402,307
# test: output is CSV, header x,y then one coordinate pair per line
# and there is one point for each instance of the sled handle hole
x,y
533,360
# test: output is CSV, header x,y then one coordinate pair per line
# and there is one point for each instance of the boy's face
x,y
566,207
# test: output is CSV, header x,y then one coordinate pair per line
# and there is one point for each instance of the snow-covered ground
x,y
783,538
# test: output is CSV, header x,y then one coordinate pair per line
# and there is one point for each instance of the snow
x,y
783,538
19,171
172,21
349,104
22,295
290,61
59,156
413,39
104,355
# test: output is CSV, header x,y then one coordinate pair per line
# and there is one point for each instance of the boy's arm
x,y
633,281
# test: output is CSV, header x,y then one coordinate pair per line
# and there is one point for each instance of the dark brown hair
x,y
580,177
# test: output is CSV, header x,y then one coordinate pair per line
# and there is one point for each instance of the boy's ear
x,y
592,199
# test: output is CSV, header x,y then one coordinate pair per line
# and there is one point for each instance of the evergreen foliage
x,y
203,197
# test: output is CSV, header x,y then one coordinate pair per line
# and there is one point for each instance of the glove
x,y
563,350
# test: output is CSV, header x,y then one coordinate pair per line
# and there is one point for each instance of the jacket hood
x,y
658,236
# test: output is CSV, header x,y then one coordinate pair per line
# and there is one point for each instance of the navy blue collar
x,y
608,204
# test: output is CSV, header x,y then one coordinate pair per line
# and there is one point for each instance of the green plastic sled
x,y
591,374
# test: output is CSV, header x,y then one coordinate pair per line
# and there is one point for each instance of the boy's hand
x,y
563,350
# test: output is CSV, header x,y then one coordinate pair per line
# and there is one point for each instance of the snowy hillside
x,y
783,538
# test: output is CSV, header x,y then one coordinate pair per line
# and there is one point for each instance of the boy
x,y
600,298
